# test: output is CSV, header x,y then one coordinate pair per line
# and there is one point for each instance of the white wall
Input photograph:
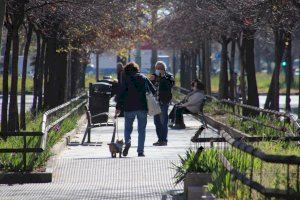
x,y
106,60
109,60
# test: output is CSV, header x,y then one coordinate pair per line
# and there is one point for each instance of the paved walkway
x,y
88,172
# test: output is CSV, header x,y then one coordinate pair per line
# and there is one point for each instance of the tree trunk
x,y
2,14
223,83
58,80
97,67
187,75
138,58
5,81
154,58
24,76
299,91
272,101
68,77
182,67
203,64
40,77
121,59
154,53
232,73
17,16
194,65
269,67
36,75
253,99
13,122
75,86
84,57
200,64
174,62
207,66
48,54
257,58
242,75
289,73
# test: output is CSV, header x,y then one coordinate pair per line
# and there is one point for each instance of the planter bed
x,y
41,174
30,177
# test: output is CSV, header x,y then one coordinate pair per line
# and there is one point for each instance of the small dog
x,y
115,147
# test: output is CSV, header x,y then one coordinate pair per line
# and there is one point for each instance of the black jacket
x,y
164,87
132,93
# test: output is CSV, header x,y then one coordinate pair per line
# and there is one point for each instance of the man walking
x,y
164,82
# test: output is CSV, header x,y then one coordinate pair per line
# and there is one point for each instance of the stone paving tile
x,y
88,172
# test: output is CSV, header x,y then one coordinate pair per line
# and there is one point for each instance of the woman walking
x,y
132,99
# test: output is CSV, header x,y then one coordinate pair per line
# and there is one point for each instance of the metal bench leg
x,y
87,130
89,135
202,120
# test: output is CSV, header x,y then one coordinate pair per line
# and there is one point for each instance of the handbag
x,y
152,103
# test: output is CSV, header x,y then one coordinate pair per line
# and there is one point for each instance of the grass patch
x,y
270,175
28,88
263,83
12,162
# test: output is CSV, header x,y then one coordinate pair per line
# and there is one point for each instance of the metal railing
x,y
58,114
253,176
66,110
242,156
237,107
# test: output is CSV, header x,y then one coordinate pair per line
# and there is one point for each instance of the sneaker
x,y
141,155
164,144
156,143
178,126
126,149
160,144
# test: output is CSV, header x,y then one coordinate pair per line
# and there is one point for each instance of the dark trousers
x,y
176,114
161,123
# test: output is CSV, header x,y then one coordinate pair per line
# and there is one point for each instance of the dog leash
x,y
117,128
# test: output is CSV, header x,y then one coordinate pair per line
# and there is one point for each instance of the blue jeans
x,y
142,122
161,123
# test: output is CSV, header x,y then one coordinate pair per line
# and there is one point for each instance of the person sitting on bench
x,y
189,105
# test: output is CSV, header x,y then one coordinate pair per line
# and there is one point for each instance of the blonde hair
x,y
161,63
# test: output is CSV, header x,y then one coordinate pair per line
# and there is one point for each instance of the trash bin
x,y
113,83
115,89
99,97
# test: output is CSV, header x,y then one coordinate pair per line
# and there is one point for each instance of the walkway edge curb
x,y
62,144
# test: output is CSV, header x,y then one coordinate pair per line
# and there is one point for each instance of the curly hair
x,y
131,68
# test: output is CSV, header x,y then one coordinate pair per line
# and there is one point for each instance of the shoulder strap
x,y
147,86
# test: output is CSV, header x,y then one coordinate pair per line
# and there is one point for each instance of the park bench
x,y
201,114
91,125
201,117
